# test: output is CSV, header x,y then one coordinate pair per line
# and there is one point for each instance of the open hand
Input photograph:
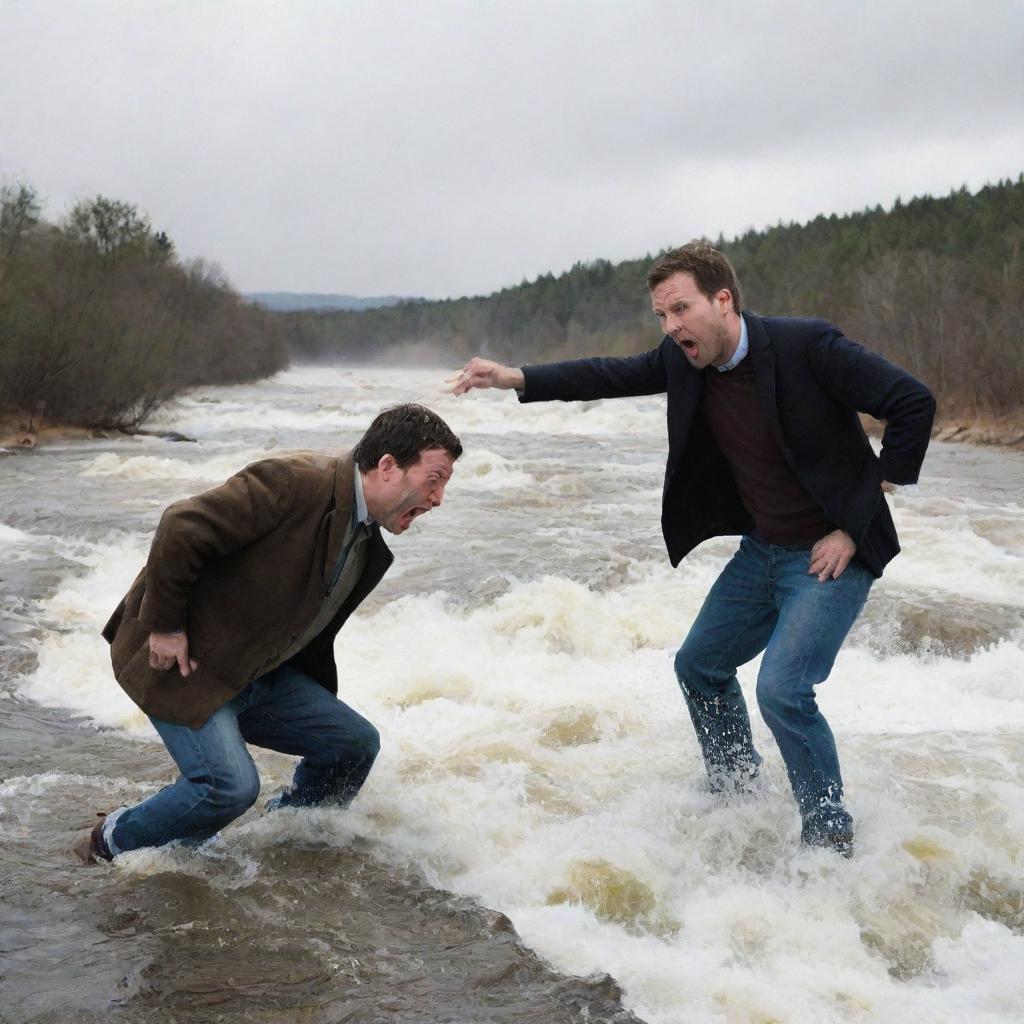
x,y
483,373
169,649
831,555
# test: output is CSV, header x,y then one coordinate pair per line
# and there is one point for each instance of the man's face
x,y
398,496
702,327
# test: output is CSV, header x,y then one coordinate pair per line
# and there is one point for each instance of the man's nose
x,y
437,495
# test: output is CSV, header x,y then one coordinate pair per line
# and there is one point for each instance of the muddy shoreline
x,y
17,432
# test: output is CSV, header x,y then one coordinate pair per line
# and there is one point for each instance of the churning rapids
x,y
536,824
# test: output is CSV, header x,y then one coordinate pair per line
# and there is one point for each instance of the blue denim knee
x,y
690,678
232,795
369,742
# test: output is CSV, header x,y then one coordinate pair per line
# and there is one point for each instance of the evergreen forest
x,y
101,322
935,284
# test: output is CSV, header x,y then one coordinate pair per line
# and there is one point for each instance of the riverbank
x,y
1004,431
996,431
18,432
21,432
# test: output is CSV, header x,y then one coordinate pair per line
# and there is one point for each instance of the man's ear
x,y
387,464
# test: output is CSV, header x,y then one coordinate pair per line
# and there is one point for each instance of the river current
x,y
535,842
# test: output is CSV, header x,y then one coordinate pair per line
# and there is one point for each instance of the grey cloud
x,y
446,147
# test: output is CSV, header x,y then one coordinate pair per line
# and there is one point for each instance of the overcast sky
x,y
445,147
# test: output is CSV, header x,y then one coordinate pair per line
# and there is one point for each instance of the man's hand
x,y
888,488
482,373
831,555
169,649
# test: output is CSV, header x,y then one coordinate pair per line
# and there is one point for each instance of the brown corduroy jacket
x,y
243,569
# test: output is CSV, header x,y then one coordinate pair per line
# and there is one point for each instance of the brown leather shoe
x,y
90,847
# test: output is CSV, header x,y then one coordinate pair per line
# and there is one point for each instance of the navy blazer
x,y
812,382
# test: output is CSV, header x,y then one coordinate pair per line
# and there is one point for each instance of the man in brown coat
x,y
227,636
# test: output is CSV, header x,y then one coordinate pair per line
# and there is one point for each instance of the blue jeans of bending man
x,y
283,710
765,600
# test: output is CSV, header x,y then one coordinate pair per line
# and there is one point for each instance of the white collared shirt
x,y
741,349
362,513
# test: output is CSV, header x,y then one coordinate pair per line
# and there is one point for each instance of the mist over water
x,y
537,757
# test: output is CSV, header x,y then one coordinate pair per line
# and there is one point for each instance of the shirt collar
x,y
741,349
362,513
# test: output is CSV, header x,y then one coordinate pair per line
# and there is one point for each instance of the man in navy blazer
x,y
765,441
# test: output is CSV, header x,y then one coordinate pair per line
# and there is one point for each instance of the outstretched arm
x,y
575,380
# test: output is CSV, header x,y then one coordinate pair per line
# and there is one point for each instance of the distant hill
x,y
291,302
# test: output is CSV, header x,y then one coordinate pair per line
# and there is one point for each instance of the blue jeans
x,y
283,710
765,600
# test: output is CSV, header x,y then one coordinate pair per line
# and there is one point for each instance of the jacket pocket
x,y
168,695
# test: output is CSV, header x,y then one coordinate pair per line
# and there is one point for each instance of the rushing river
x,y
536,824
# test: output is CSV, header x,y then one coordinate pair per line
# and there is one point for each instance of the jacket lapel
x,y
762,359
379,556
685,388
337,520
378,561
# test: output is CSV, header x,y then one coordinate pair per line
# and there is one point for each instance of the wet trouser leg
x,y
766,600
733,626
284,710
814,619
337,745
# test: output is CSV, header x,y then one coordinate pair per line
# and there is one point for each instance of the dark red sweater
x,y
783,512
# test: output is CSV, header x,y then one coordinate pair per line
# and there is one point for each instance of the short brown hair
x,y
404,431
709,267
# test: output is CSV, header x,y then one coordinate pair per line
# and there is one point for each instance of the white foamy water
x,y
536,751
152,467
326,399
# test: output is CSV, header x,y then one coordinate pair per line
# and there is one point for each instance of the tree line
x,y
935,284
100,322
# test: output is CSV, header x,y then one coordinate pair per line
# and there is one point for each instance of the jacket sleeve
x,y
197,530
866,382
579,380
